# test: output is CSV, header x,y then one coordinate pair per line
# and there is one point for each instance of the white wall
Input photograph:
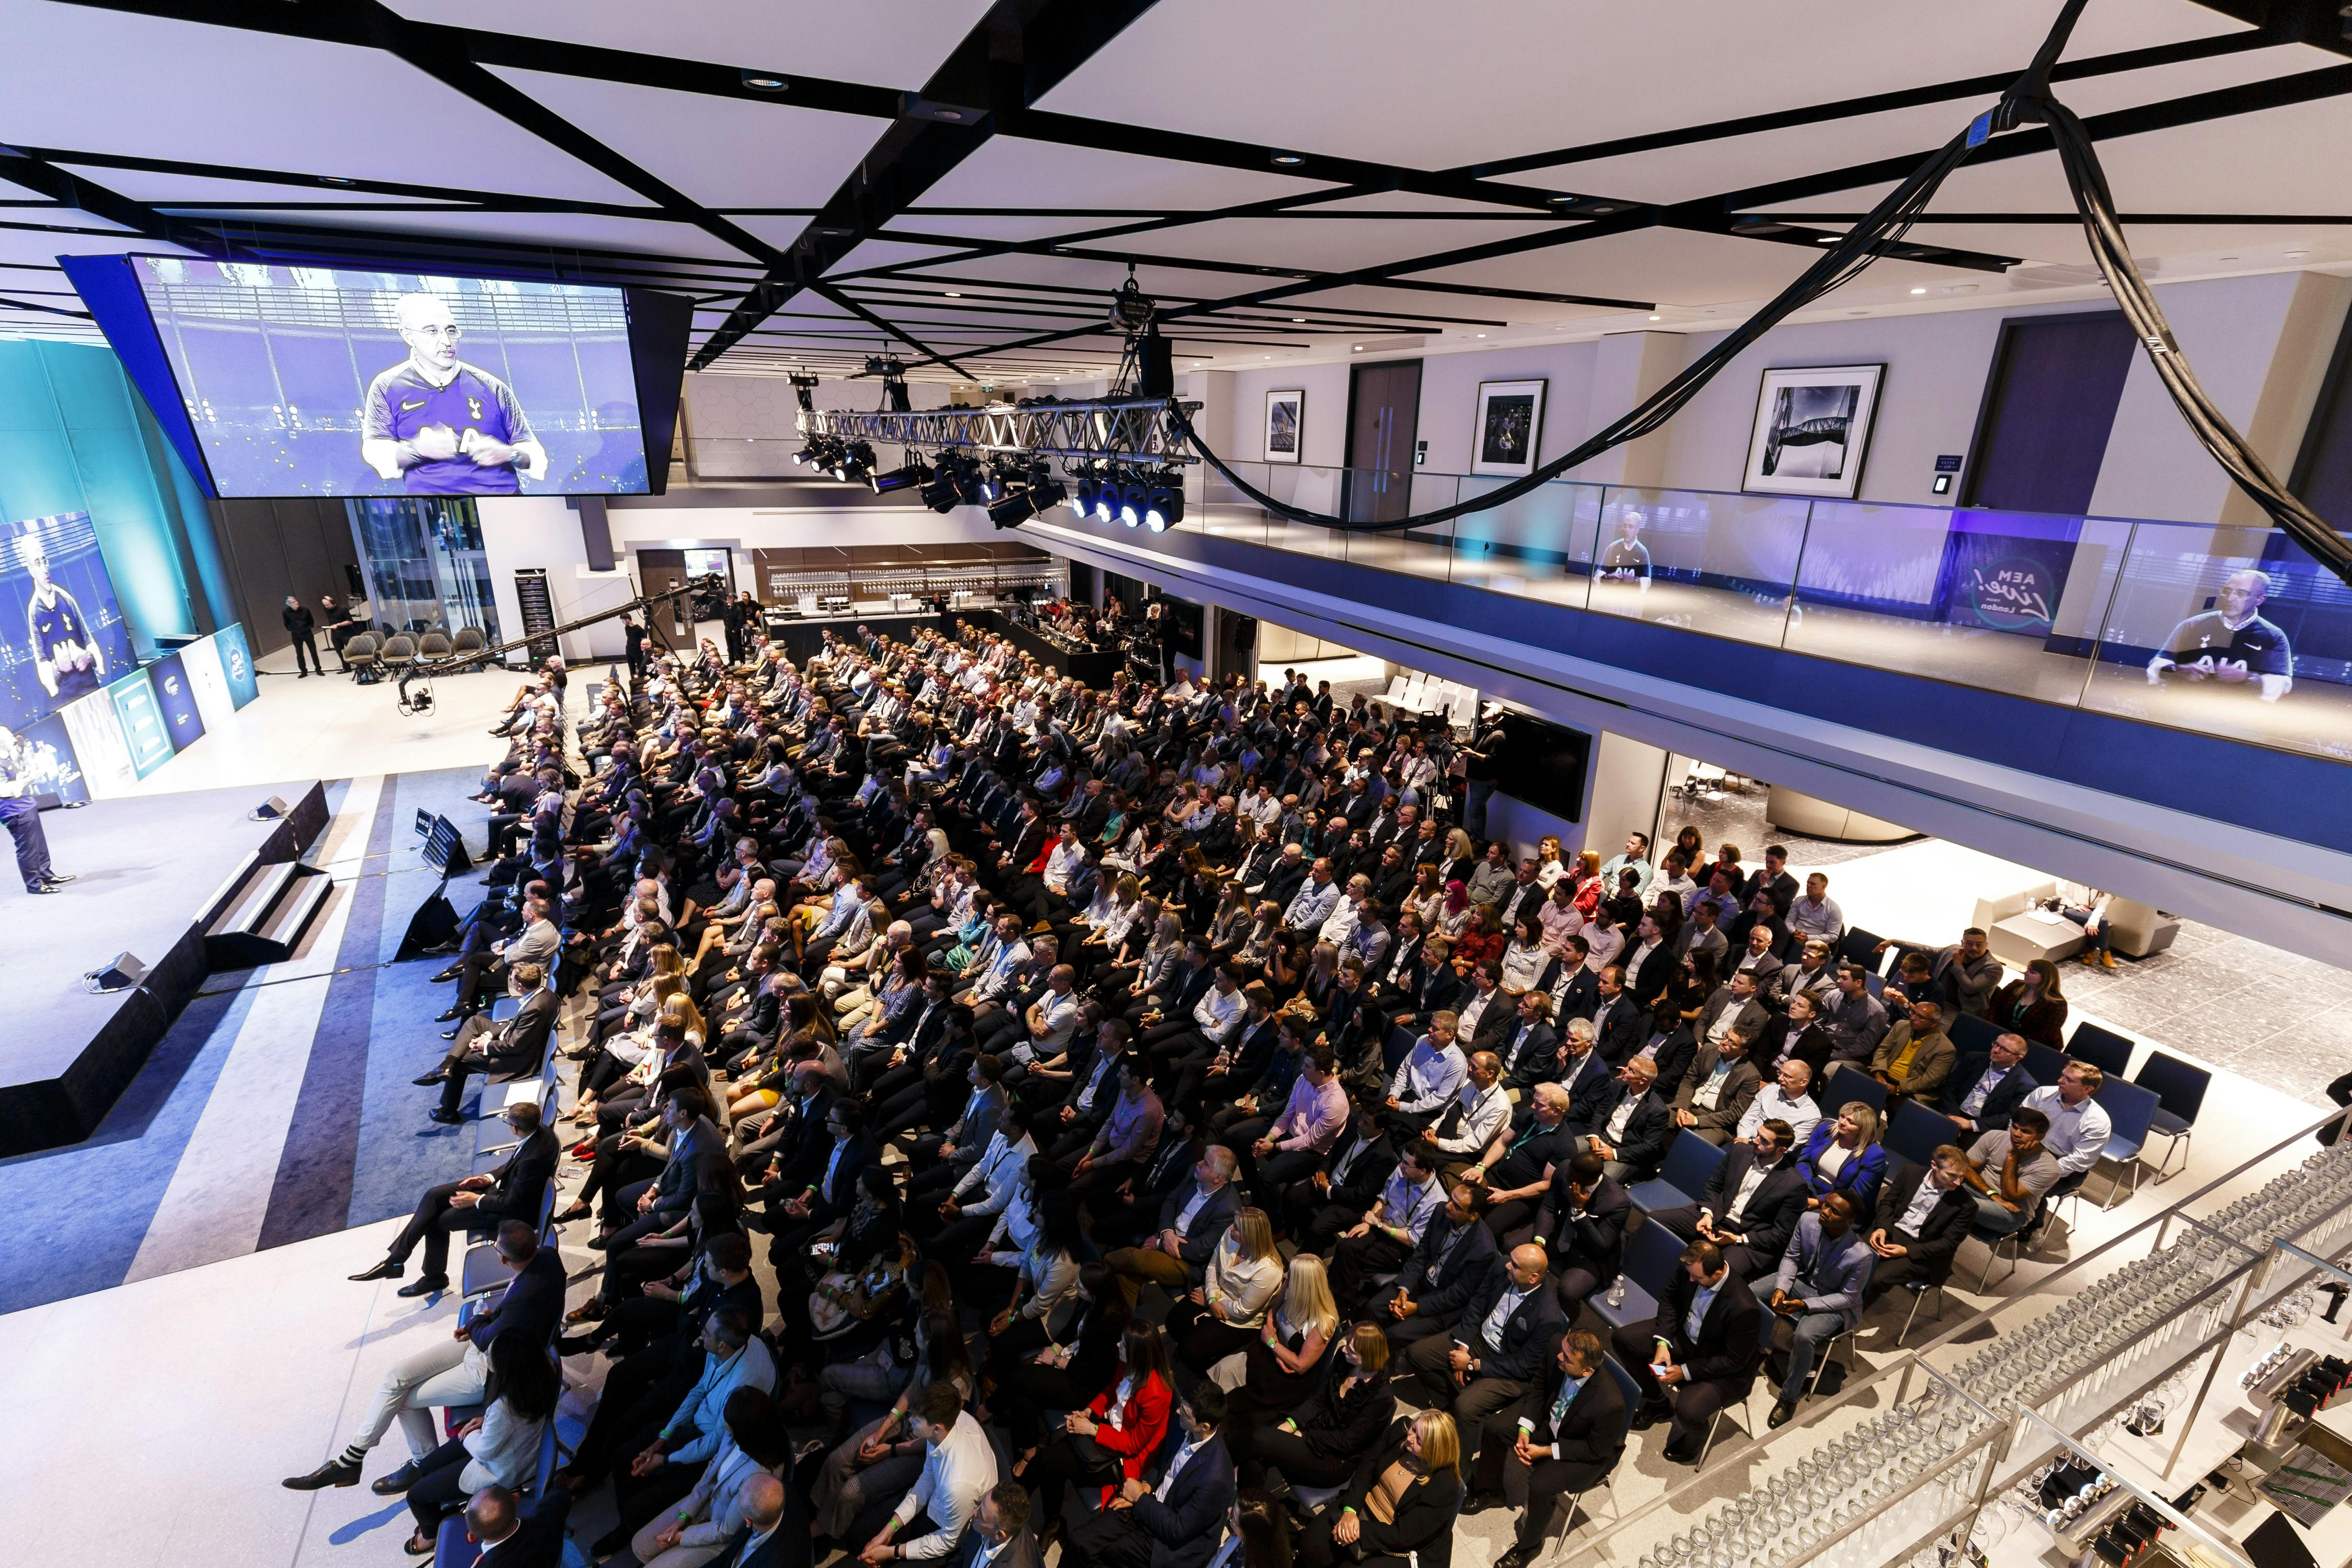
x,y
1628,776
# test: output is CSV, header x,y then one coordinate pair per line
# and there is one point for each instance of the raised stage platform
x,y
184,883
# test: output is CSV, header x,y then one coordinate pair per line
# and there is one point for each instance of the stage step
x,y
263,919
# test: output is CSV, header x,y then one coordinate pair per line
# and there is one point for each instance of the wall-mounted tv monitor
x,y
62,635
287,379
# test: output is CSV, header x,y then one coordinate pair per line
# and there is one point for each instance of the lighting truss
x,y
1119,429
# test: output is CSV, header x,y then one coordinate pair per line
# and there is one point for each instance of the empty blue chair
x,y
2132,1110
2044,1063
1860,946
1971,1033
2102,1049
1649,1265
1845,1086
1690,1161
1914,1132
2179,1089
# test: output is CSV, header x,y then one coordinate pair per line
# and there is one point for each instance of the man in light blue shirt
x,y
1636,858
1820,1288
1429,1080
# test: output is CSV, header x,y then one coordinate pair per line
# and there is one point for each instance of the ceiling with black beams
x,y
960,182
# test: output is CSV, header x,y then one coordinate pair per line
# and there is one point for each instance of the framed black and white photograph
x,y
1285,410
1511,424
1813,430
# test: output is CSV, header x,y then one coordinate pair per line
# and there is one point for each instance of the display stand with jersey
x,y
441,426
66,653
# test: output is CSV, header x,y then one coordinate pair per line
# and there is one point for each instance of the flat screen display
x,y
62,635
319,380
176,694
144,734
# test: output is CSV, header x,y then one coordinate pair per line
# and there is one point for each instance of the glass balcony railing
x,y
2226,631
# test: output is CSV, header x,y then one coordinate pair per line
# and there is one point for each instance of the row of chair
x,y
370,656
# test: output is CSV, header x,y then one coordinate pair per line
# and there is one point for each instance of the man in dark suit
x,y
1984,1087
1620,1026
1568,1434
1173,1516
1717,1090
1581,1225
1359,1165
509,1538
1529,1050
1699,1354
1589,1078
1639,1127
1000,1531
1751,1204
1194,1218
1499,1348
517,1045
1923,1215
775,1528
514,1190
1441,1275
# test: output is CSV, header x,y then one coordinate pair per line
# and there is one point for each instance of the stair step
x,y
252,903
297,909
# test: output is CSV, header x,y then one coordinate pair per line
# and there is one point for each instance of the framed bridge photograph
x,y
1813,430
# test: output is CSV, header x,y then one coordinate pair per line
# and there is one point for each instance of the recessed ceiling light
x,y
1560,200
2297,255
1482,334
1302,318
1287,160
1359,348
333,180
1918,290
1827,239
2229,258
955,293
1653,318
764,81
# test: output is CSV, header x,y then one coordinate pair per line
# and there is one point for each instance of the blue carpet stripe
x,y
312,1189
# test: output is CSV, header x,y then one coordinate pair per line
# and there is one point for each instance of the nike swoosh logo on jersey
x,y
408,407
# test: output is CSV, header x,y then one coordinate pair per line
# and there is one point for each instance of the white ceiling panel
x,y
1403,82
556,231
1673,266
722,151
1007,171
1316,246
966,226
871,253
221,95
885,43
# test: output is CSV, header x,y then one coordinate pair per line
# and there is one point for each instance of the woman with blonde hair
x,y
1226,1309
1403,1497
1284,1359
1321,1443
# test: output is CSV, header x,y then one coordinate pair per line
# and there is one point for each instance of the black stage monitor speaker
x,y
272,809
120,973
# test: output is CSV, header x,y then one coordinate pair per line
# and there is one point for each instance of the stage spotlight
x,y
970,481
914,473
853,462
1044,489
1164,507
1083,495
1132,497
1106,497
938,492
806,457
1012,509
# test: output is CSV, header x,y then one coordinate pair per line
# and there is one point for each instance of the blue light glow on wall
x,y
73,438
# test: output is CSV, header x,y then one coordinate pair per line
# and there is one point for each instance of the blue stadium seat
x,y
1649,1265
2180,1094
1914,1132
2104,1049
1690,1160
1845,1086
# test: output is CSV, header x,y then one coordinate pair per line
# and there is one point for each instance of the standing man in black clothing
x,y
635,630
301,625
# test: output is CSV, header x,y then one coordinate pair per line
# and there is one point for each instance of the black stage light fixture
x,y
1163,504
853,462
1045,490
1106,497
971,481
1013,507
915,472
1132,495
1083,494
938,492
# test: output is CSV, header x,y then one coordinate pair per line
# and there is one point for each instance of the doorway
x,y
1383,422
2050,404
658,572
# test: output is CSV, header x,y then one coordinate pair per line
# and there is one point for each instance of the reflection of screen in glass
x,y
315,381
50,767
62,635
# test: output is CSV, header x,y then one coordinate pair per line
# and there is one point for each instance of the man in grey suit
x,y
538,943
518,1045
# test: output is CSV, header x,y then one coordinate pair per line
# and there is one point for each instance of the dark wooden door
x,y
658,571
1383,420
2049,406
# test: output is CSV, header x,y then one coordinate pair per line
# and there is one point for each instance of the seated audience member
x,y
1402,1496
1750,1205
1917,1056
1786,1097
959,1469
515,1045
458,1371
2079,1126
1843,1156
2034,1005
2011,1171
1114,1436
1498,1346
1221,1314
1700,1353
1322,1440
514,1190
499,1447
1633,1139
1581,1225
1194,1218
1984,1087
1173,1514
1923,1215
1570,1434
1820,1290
1441,1274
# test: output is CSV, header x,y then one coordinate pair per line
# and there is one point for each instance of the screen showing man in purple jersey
x,y
441,426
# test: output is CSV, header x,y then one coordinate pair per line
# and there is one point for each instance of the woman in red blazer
x,y
1115,1434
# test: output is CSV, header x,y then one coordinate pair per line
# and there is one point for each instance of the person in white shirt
x,y
2079,1127
958,1466
1782,1099
1816,913
1340,924
1481,1110
1430,1077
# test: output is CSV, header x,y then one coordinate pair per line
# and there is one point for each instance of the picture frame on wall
x,y
1509,429
1285,428
1812,432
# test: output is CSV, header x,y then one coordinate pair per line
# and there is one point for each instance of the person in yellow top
x,y
1917,1055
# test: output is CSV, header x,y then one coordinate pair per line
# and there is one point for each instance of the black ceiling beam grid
x,y
22,166
1017,52
1365,311
2075,219
2165,114
1875,104
1704,219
